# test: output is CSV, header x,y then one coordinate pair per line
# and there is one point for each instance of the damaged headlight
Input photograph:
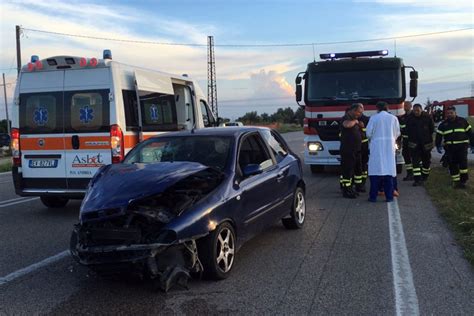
x,y
159,214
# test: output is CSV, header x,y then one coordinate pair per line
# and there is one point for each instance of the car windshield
x,y
212,151
351,85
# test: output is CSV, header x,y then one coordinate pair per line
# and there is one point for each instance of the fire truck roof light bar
x,y
354,54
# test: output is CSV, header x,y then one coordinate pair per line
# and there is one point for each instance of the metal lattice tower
x,y
211,76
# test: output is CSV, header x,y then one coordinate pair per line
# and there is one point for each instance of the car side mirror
x,y
413,88
251,170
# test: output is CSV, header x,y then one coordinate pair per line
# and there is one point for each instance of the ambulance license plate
x,y
43,163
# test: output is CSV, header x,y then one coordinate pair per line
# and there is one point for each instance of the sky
x,y
248,78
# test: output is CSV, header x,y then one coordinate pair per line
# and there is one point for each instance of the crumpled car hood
x,y
116,185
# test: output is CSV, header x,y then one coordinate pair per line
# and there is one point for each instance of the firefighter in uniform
x,y
405,150
351,140
457,134
364,152
420,129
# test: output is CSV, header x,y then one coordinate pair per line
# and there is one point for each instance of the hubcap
x,y
300,208
225,250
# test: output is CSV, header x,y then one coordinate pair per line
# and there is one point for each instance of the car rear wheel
x,y
217,252
54,202
298,211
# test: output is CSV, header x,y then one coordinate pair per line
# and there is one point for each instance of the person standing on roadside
x,y
457,134
405,150
351,140
382,131
420,129
364,151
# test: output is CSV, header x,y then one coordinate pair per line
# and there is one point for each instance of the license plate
x,y
43,163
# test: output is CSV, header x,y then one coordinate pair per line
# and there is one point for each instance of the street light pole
x,y
6,104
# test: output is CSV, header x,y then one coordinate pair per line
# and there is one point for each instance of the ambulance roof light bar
x,y
107,54
371,53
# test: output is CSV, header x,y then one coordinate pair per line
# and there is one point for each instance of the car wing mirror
x,y
251,170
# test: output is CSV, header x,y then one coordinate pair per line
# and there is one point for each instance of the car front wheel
x,y
217,252
298,211
53,201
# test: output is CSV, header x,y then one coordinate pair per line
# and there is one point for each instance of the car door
x,y
286,180
257,191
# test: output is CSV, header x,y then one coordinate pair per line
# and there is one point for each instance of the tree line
x,y
282,115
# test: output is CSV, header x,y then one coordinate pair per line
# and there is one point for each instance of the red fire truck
x,y
332,84
464,108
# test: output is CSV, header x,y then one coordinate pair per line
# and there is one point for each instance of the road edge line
x,y
35,266
406,300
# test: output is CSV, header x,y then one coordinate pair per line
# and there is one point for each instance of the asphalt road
x,y
348,259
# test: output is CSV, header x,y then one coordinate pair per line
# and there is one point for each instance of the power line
x,y
247,45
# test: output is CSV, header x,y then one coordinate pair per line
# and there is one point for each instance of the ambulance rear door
x,y
42,144
87,111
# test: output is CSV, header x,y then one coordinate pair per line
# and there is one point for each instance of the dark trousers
x,y
364,161
457,162
421,160
387,184
406,153
350,168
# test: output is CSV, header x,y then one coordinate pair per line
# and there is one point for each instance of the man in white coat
x,y
382,131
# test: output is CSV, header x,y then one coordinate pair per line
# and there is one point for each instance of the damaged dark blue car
x,y
183,203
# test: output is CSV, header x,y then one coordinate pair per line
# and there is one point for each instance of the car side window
x,y
252,151
278,148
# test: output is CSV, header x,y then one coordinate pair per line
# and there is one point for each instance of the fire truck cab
x,y
72,115
332,84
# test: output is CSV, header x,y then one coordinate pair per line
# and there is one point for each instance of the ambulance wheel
x,y
317,168
54,201
399,169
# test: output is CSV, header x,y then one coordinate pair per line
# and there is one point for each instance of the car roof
x,y
234,131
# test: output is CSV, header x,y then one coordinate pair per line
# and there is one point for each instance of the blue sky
x,y
248,75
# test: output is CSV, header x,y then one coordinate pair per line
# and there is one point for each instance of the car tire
x,y
53,201
399,169
298,211
317,168
216,252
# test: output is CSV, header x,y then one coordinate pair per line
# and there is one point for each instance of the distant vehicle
x,y
185,202
73,115
332,84
227,124
464,108
4,139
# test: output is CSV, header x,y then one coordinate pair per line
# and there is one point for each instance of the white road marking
x,y
19,273
16,201
406,300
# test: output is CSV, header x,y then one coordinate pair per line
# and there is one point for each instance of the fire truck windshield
x,y
353,85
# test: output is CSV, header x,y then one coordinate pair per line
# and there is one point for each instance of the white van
x,y
72,115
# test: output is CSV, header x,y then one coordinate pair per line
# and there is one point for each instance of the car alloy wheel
x,y
225,250
298,211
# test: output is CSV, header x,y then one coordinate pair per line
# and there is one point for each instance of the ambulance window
x,y
130,109
158,112
207,116
89,111
41,113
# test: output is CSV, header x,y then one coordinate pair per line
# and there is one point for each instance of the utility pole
x,y
6,104
18,48
211,76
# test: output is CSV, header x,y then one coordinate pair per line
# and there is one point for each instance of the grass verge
x,y
456,206
286,128
4,167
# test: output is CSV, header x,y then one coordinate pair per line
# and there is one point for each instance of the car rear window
x,y
41,113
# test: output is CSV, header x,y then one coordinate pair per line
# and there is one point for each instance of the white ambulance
x,y
72,115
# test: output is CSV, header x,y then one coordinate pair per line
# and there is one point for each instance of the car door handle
x,y
282,174
75,142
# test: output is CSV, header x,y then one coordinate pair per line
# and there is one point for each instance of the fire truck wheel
x,y
53,201
317,168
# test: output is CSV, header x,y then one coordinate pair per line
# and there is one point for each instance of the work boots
x,y
409,176
348,193
360,188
